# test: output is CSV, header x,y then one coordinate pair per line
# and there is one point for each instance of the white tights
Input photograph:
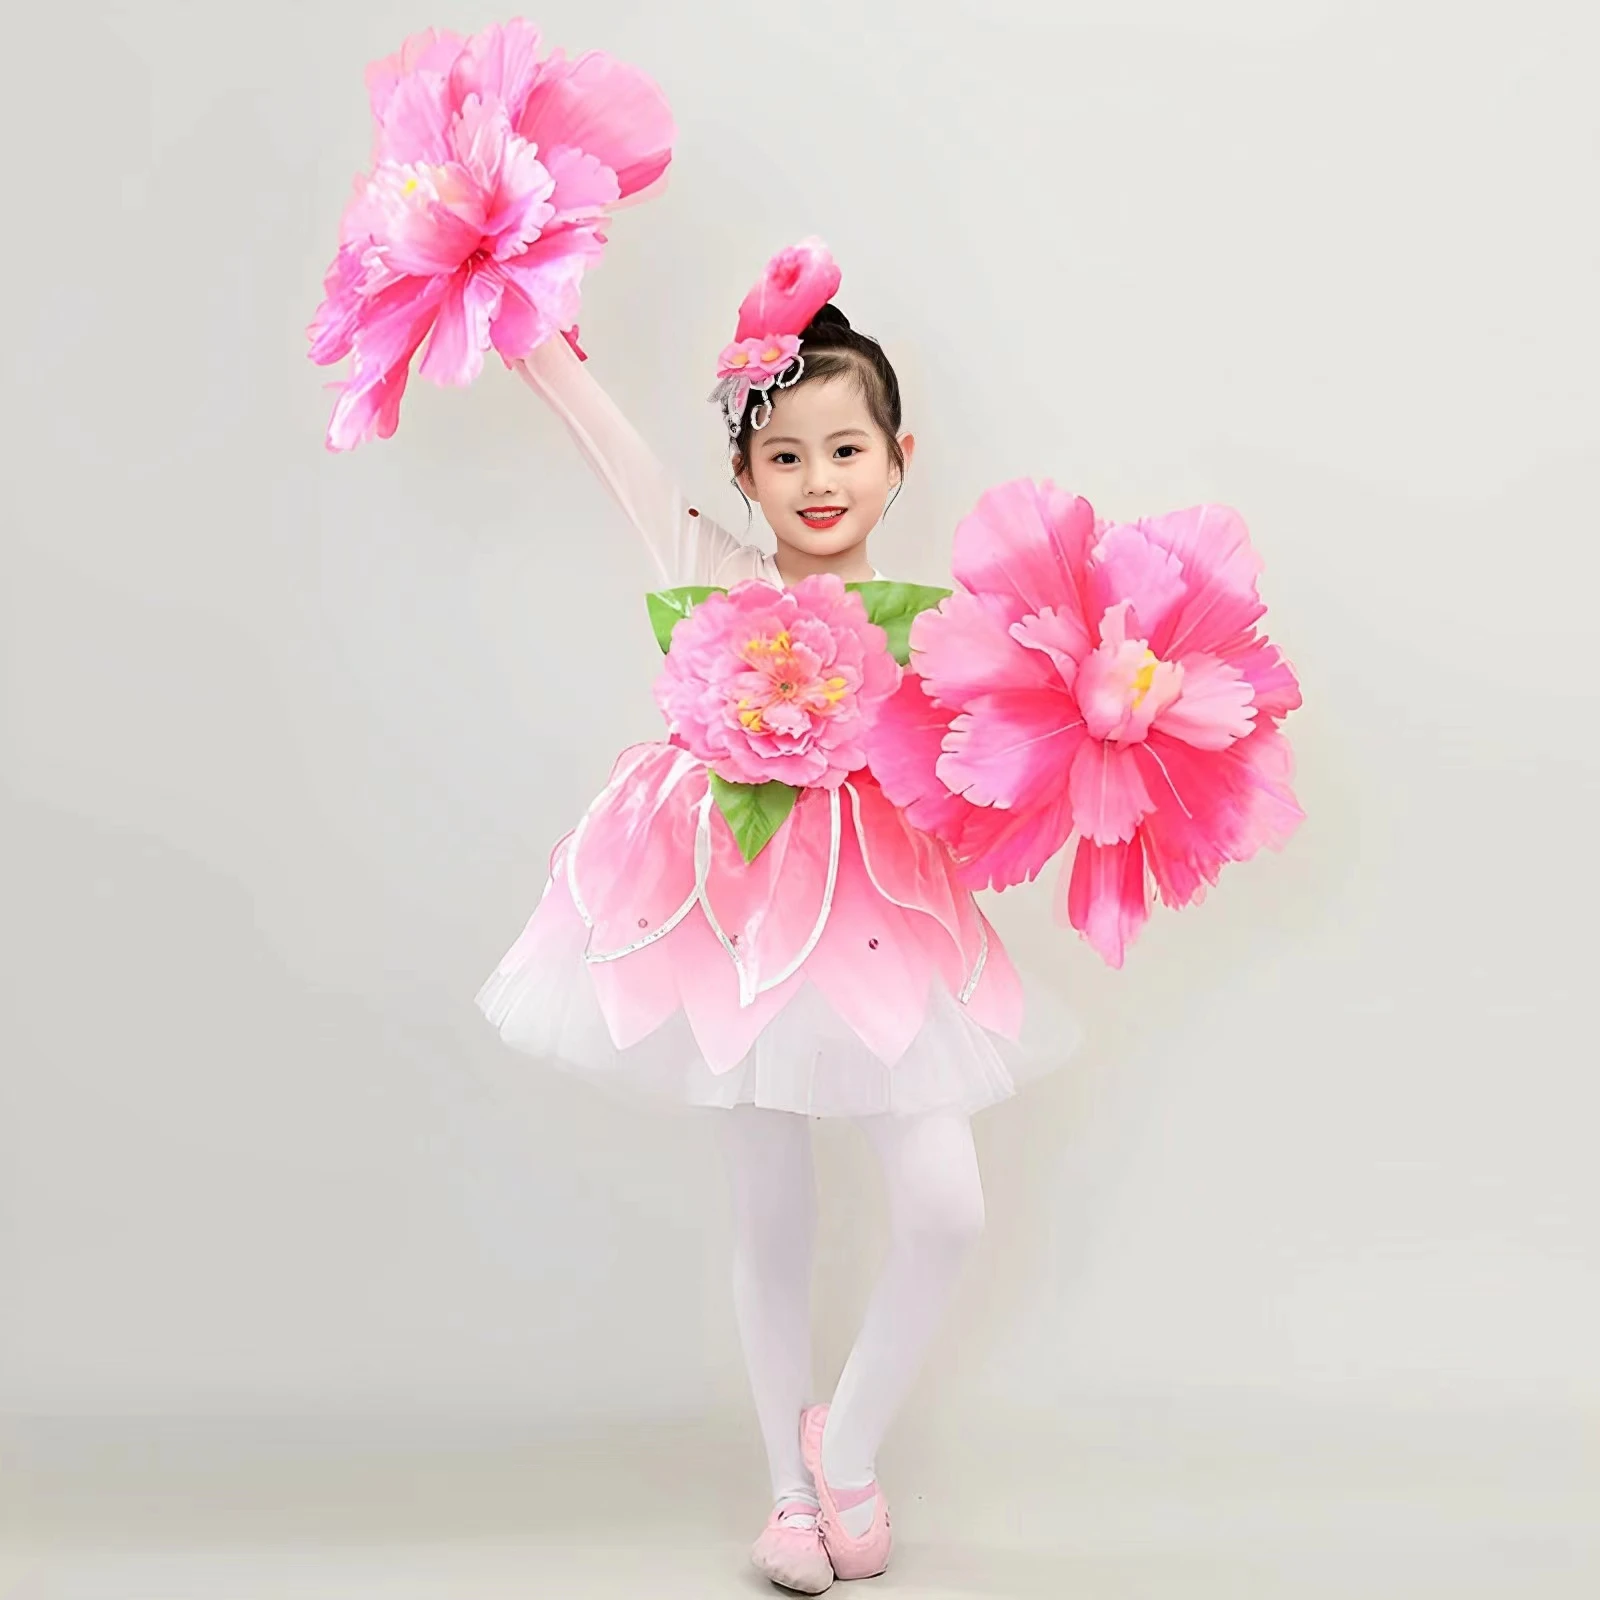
x,y
930,1171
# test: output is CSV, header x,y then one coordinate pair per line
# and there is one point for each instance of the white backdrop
x,y
288,735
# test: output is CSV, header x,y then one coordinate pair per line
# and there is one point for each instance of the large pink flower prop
x,y
767,684
1098,679
493,170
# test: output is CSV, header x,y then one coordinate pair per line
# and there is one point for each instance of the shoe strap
x,y
848,1499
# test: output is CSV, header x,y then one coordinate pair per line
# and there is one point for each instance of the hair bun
x,y
828,316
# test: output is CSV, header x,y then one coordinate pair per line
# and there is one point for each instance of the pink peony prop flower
x,y
493,171
1098,679
766,684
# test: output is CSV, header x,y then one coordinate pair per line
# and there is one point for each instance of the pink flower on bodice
x,y
764,684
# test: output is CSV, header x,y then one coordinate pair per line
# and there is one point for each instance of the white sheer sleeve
x,y
685,545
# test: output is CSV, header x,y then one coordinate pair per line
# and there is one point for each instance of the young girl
x,y
842,971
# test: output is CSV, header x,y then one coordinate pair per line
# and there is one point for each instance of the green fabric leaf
x,y
668,607
754,811
894,606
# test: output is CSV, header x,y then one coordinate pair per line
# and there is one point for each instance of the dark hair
x,y
831,348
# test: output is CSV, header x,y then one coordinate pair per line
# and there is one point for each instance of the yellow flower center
x,y
1145,677
768,647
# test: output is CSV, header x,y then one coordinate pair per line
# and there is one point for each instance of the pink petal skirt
x,y
843,972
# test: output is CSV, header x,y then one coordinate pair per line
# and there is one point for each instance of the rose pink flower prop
x,y
1098,679
767,684
493,171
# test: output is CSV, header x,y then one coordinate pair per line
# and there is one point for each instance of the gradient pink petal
x,y
998,849
431,51
394,324
1220,568
542,290
1058,635
992,848
480,136
338,318
1105,896
1127,568
638,196
1108,795
415,125
461,333
634,866
601,105
1012,747
500,62
584,185
869,963
1214,707
903,750
769,907
1210,808
634,872
1022,546
965,647
724,1025
638,994
1271,678
998,1003
914,869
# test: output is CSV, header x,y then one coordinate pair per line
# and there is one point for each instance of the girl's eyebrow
x,y
839,433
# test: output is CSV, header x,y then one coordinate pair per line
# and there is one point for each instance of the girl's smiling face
x,y
822,473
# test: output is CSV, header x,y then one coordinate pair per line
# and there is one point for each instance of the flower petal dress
x,y
843,971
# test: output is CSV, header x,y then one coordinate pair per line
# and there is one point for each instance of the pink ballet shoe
x,y
791,1555
852,1555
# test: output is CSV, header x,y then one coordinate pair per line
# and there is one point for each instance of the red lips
x,y
829,517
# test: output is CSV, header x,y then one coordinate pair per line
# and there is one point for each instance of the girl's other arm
x,y
685,545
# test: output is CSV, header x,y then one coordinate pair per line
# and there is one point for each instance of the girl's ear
x,y
747,484
908,448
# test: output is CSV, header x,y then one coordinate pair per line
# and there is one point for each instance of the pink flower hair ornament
x,y
494,169
1099,680
765,354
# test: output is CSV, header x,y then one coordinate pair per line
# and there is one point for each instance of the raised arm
x,y
685,544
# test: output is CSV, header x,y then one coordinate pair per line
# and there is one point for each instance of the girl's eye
x,y
848,450
786,458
